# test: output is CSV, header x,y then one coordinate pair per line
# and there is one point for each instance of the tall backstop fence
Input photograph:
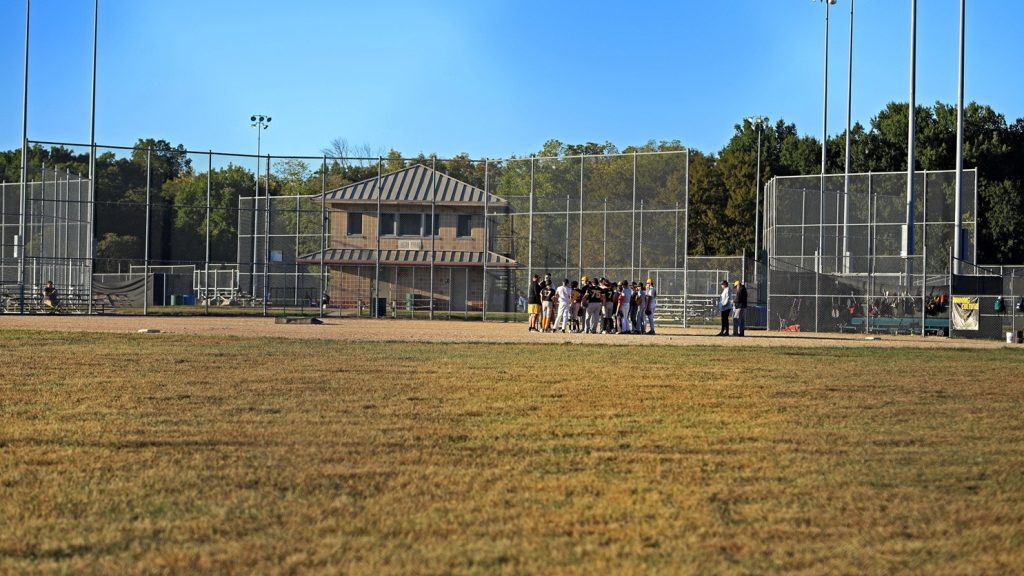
x,y
170,231
45,238
838,260
273,234
614,216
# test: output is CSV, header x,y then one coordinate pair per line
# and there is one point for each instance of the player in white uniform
x,y
652,303
627,297
564,296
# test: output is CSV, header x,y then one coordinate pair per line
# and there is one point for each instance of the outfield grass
x,y
158,453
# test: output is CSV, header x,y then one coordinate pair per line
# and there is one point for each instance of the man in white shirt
x,y
564,296
725,307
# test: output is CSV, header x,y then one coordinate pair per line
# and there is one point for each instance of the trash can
x,y
410,301
759,318
382,308
188,299
174,300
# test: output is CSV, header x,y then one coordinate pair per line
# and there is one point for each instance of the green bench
x,y
906,324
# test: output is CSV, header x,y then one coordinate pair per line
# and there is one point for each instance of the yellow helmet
x,y
584,279
649,281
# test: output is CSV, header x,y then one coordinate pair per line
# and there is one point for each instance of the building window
x,y
410,224
437,224
387,224
464,228
355,223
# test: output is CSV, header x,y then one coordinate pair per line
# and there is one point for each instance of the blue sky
x,y
488,78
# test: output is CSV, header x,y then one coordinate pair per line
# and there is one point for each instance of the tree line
x,y
721,184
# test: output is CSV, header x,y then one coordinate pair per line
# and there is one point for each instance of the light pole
x,y
19,243
824,148
759,123
260,123
846,172
824,169
908,232
958,244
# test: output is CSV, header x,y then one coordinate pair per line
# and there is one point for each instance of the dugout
x,y
972,306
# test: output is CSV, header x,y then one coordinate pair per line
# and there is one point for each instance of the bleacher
x,y
897,325
74,302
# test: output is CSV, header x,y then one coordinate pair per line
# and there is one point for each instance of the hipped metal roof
x,y
352,256
413,185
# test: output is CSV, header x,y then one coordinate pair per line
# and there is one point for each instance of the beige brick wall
x,y
446,240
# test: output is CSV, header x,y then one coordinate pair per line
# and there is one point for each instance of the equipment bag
x,y
998,306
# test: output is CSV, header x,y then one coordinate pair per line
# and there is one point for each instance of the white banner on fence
x,y
965,313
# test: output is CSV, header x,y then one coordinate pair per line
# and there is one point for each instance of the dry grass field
x,y
212,453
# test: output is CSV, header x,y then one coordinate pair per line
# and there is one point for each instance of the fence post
x,y
686,237
872,244
376,267
640,261
433,237
949,290
145,263
582,162
79,236
487,247
604,243
266,240
54,246
632,224
743,266
529,236
295,278
675,239
924,287
924,249
209,216
767,293
67,221
41,252
323,235
567,235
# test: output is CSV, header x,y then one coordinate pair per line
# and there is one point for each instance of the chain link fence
x,y
54,245
838,260
178,232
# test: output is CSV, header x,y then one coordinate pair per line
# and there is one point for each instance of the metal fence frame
x,y
865,289
559,218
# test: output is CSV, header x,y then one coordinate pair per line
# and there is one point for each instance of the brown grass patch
x,y
166,453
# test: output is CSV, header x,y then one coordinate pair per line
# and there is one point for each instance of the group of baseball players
x,y
592,306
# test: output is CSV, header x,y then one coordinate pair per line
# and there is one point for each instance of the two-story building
x,y
443,258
